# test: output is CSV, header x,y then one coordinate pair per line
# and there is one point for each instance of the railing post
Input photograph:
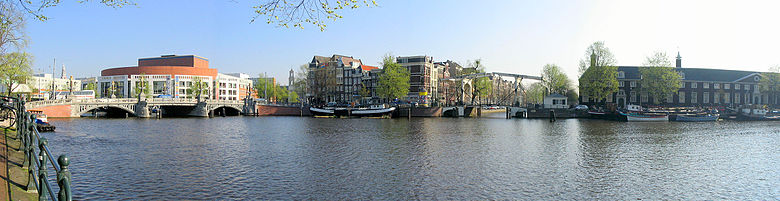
x,y
30,154
43,193
24,138
63,179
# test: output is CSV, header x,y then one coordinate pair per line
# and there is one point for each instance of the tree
x,y
15,69
12,25
599,79
482,86
394,81
554,80
659,80
286,13
535,93
142,87
364,92
596,55
92,86
301,82
35,8
571,96
770,84
198,87
294,97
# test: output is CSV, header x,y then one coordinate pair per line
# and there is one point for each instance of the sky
x,y
509,36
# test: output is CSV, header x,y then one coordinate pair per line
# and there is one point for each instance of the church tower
x,y
63,75
679,60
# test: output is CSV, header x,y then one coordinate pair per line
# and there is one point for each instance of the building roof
x,y
555,96
321,59
697,74
368,68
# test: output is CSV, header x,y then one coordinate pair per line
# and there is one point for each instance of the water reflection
x,y
421,158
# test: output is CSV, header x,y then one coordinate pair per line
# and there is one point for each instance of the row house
x,y
338,79
423,78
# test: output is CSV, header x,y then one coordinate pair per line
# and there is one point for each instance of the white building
x,y
40,86
555,101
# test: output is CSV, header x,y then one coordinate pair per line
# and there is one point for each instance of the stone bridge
x,y
134,106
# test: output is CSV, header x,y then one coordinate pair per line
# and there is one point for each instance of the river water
x,y
273,158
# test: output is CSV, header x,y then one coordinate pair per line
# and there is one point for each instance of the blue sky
x,y
510,36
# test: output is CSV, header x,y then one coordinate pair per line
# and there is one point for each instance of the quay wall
x,y
273,110
55,111
419,112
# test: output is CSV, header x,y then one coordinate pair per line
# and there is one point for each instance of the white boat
x,y
644,117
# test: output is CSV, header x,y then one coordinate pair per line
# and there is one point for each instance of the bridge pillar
x,y
249,107
142,110
200,110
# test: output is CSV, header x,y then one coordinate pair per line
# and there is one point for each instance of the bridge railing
x,y
35,160
43,103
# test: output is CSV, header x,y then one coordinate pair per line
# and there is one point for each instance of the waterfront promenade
x,y
14,176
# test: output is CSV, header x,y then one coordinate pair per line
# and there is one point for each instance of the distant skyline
x,y
510,36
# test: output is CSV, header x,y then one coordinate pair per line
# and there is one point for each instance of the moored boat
x,y
697,118
373,111
322,112
42,122
644,117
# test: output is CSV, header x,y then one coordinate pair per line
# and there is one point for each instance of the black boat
x,y
373,111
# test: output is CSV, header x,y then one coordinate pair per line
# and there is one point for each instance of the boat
x,y
757,115
644,117
322,112
697,118
373,111
42,122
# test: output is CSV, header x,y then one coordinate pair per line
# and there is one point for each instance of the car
x,y
581,107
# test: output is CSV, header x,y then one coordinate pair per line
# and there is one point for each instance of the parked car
x,y
581,107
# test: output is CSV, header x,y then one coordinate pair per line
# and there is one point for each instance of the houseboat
x,y
635,113
372,111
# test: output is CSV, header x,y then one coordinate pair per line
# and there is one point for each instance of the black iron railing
x,y
35,160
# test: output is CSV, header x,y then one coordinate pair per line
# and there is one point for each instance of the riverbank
x,y
14,176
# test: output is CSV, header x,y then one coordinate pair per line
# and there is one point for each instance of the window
x,y
682,97
736,98
716,86
682,75
633,83
694,97
736,86
756,78
643,97
755,87
621,84
609,98
669,98
705,85
726,98
726,86
682,85
694,85
621,74
621,93
633,96
716,99
706,98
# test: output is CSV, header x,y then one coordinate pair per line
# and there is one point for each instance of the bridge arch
x,y
226,110
86,108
